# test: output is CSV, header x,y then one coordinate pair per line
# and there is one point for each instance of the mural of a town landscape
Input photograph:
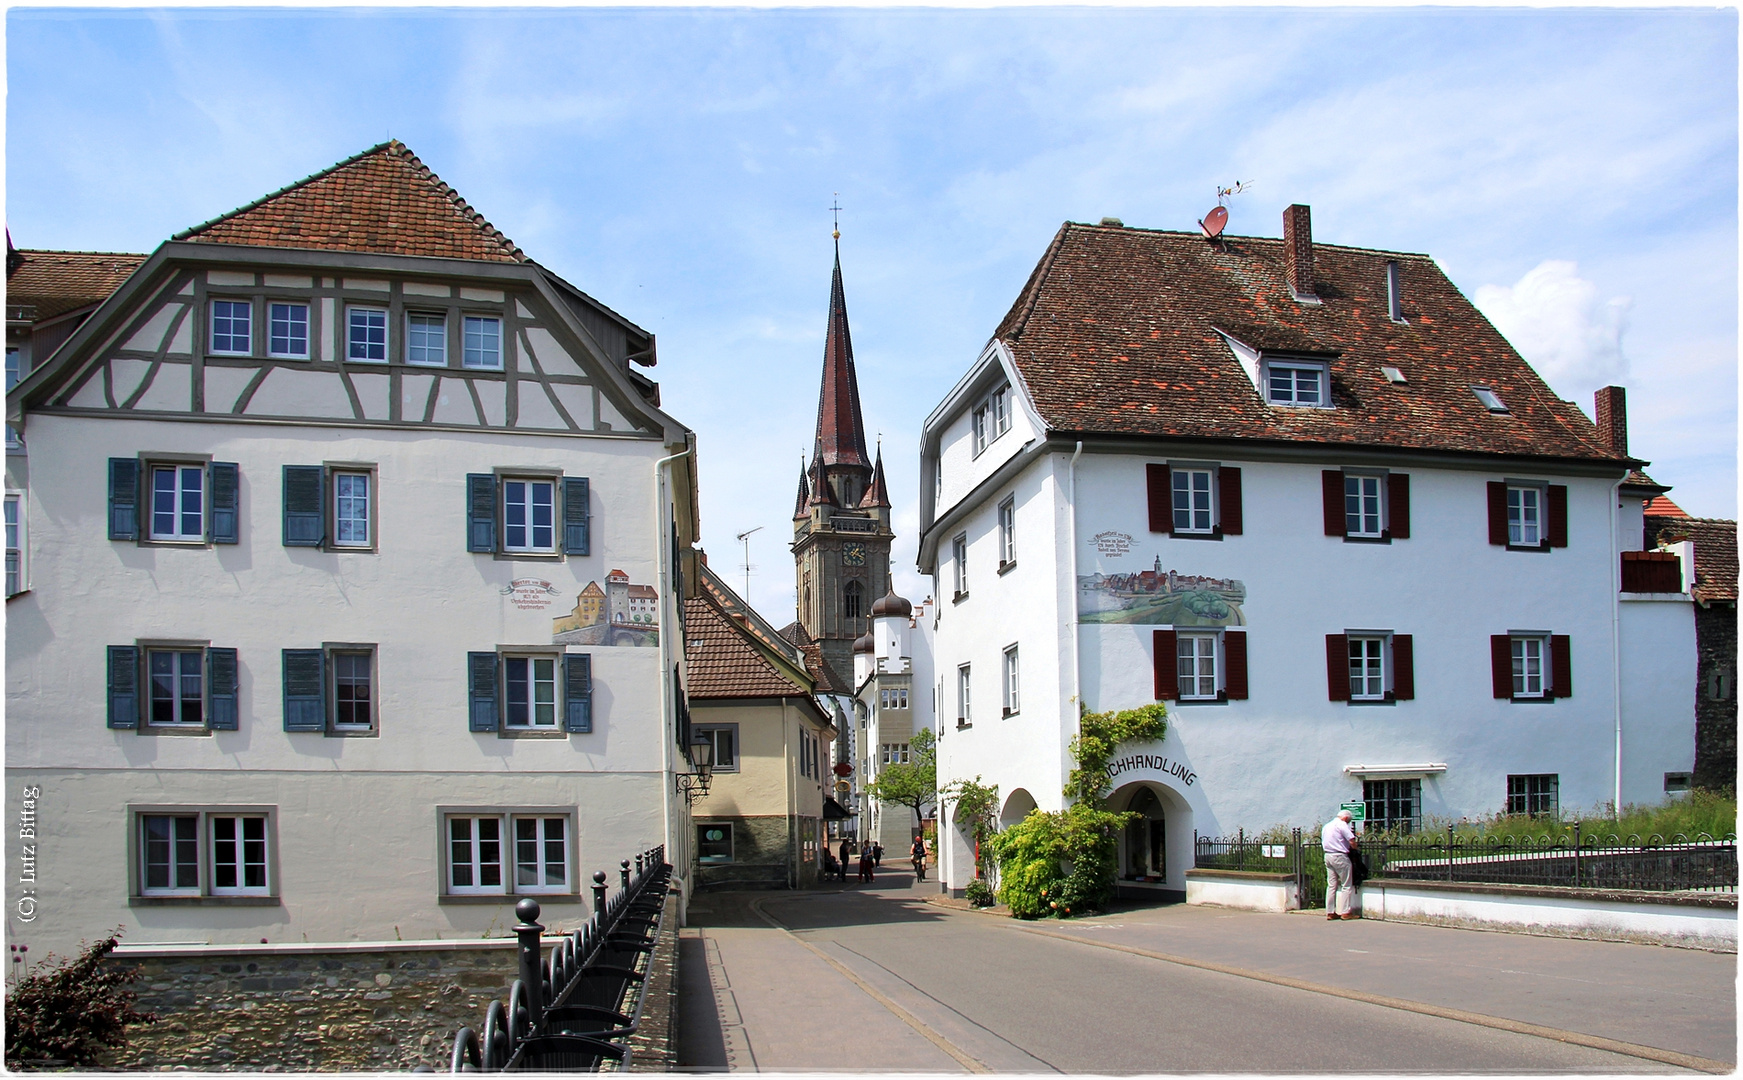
x,y
1163,598
619,614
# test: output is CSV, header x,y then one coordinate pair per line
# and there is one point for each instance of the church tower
x,y
841,521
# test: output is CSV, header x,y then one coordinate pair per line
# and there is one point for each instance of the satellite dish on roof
x,y
1214,222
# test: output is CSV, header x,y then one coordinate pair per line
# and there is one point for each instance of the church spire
x,y
802,508
877,494
840,429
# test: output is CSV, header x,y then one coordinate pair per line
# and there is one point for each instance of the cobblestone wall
x,y
1716,718
281,1009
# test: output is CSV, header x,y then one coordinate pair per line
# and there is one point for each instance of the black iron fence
x,y
1598,861
564,1012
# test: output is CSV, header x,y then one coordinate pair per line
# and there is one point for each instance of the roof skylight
x,y
1490,399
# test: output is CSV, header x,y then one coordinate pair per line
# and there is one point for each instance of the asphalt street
x,y
873,979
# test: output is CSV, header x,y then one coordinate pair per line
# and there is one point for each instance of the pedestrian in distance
x,y
865,863
877,853
1339,840
918,854
846,848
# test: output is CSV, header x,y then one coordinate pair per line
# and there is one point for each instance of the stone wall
x,y
375,1006
761,855
1716,719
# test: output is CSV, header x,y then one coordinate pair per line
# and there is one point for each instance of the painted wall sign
x,y
1152,761
1112,544
619,614
1162,598
529,594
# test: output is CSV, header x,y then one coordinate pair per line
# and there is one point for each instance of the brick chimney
x,y
1612,412
1298,251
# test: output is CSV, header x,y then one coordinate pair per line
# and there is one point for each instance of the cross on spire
x,y
835,210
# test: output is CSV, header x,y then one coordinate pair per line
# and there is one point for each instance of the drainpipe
x,y
1076,629
1616,628
668,704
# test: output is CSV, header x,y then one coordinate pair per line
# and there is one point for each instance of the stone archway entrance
x,y
1156,846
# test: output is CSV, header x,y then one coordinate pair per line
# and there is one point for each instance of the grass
x,y
1711,812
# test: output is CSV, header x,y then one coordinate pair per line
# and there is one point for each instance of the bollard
x,y
599,895
531,978
624,873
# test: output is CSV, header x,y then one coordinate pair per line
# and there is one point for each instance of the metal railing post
x,y
532,981
1449,852
1576,854
625,875
599,895
1241,850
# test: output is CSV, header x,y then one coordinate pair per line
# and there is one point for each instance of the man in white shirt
x,y
1339,839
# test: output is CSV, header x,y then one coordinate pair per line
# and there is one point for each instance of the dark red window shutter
x,y
1235,664
1337,667
1167,666
1403,668
1561,666
1331,483
1398,505
1161,498
1498,518
1557,515
1228,493
1501,663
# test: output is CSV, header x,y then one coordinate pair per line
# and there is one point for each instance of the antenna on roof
x,y
1213,223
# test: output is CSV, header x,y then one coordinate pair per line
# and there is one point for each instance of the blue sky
x,y
1574,172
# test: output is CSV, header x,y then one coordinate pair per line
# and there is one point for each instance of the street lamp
x,y
691,785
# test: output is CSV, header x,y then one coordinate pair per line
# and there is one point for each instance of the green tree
x,y
70,1009
913,784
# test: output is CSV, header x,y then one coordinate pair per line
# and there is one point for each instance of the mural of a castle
x,y
619,614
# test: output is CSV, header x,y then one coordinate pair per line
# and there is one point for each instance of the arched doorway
x,y
1156,846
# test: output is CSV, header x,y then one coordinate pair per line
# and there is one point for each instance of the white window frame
x,y
1519,507
176,860
978,421
541,863
179,697
1008,531
1203,646
373,699
1530,660
1369,657
487,360
17,580
1012,674
242,860
1197,501
344,501
714,733
1001,411
272,322
475,862
529,504
1369,526
418,339
532,704
352,341
959,559
1292,397
229,333
179,512
203,851
964,683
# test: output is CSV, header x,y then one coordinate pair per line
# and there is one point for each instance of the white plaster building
x,y
1310,498
894,701
310,506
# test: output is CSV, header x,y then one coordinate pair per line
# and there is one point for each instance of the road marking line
x,y
1520,1027
877,995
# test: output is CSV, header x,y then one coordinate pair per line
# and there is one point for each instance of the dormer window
x,y
1297,383
991,418
1491,400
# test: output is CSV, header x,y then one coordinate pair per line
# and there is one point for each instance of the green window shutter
x,y
225,485
304,682
480,512
481,690
123,685
578,691
221,688
577,516
305,495
123,499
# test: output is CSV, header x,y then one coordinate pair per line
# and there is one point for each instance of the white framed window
x,y
475,854
1491,400
529,515
1530,676
169,854
529,695
232,327
14,544
1197,666
178,502
481,343
937,486
366,335
426,339
894,753
959,560
17,367
1534,793
980,428
1013,698
1524,516
353,689
1296,384
287,331
178,687
1001,411
714,842
964,714
238,854
724,739
541,854
1367,668
1192,500
1008,531
351,509
893,699
1363,515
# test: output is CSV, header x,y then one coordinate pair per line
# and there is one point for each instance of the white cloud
x,y
1556,320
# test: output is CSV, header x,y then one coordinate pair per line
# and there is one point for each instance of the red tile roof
x,y
1715,543
828,680
384,200
723,659
1661,506
1116,332
52,283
